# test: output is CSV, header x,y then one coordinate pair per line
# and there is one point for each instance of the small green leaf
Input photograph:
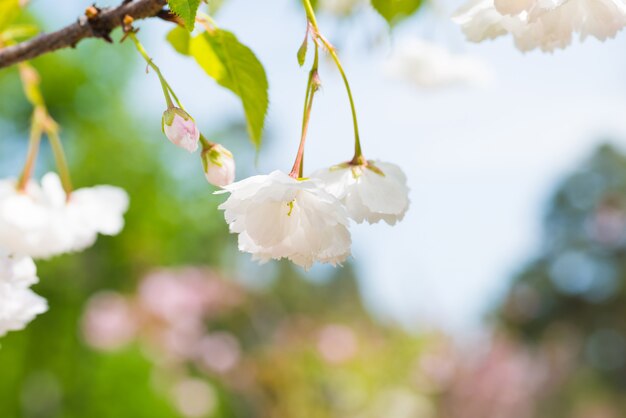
x,y
9,9
302,50
396,10
20,31
179,39
186,10
215,6
235,67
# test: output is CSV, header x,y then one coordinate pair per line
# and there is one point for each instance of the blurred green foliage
x,y
166,224
571,297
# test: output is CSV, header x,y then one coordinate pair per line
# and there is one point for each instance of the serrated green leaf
x,y
235,67
302,50
186,10
179,38
395,10
9,9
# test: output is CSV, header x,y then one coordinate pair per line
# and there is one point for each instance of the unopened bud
x,y
91,12
219,165
180,129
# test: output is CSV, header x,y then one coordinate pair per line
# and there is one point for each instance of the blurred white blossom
x,y
194,398
18,304
427,64
42,221
340,7
277,216
545,24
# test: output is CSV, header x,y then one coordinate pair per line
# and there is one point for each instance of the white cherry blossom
x,y
42,222
371,192
479,20
18,304
514,7
542,24
277,216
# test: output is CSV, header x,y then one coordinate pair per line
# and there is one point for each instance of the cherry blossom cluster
x,y
280,215
306,220
546,25
42,221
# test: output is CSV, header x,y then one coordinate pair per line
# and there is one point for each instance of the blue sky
x,y
481,163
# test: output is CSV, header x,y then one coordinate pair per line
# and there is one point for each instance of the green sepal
x,y
370,166
170,114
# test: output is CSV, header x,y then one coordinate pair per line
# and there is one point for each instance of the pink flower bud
x,y
181,129
219,165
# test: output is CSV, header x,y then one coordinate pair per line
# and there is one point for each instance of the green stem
x,y
164,85
173,94
33,149
310,13
357,140
60,160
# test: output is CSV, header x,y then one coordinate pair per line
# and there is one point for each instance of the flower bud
x,y
219,165
180,129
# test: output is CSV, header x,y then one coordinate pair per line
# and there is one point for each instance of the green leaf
x,y
179,38
186,10
235,67
9,9
302,50
395,10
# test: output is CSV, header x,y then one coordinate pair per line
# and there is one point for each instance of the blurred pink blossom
x,y
219,351
337,343
507,381
109,321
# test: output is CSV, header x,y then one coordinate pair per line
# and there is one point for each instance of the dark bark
x,y
98,26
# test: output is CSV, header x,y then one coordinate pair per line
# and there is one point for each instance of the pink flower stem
x,y
60,160
33,149
313,85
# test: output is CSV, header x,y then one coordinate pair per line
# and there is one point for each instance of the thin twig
x,y
99,26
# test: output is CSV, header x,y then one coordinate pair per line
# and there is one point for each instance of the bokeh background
x,y
501,294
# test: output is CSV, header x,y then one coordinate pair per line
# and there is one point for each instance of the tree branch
x,y
98,26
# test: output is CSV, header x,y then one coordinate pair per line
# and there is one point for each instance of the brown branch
x,y
98,26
